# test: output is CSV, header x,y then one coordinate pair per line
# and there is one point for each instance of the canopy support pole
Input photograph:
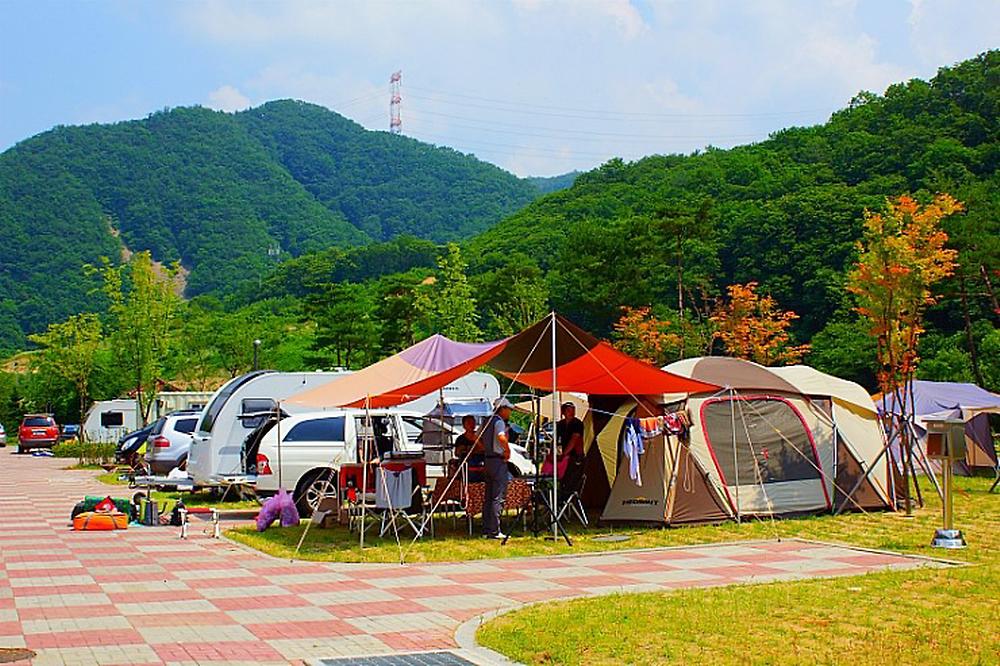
x,y
364,468
555,437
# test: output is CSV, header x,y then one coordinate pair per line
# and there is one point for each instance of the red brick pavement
x,y
144,596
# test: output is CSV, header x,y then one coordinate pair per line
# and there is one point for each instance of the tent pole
x,y
555,438
736,466
364,463
864,477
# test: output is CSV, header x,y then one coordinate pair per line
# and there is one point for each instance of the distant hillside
x,y
548,184
787,211
216,191
385,185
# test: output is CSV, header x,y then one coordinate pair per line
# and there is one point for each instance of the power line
x,y
495,101
582,135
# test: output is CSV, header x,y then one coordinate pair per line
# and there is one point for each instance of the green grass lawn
x,y
876,530
949,616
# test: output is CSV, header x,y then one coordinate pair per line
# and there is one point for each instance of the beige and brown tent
x,y
771,442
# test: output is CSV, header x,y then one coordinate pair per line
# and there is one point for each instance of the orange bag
x,y
94,521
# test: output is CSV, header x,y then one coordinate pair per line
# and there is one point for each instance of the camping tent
x,y
952,400
774,441
552,355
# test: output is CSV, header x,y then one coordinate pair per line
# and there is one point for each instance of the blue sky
x,y
539,87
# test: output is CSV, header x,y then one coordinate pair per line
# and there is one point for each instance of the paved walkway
x,y
144,596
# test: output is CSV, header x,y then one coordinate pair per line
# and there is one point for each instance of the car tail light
x,y
263,465
161,442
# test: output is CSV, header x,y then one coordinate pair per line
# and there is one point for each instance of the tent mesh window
x,y
771,440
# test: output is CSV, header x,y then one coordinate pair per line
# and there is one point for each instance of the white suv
x,y
314,445
170,441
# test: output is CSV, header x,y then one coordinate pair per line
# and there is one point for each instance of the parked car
x,y
315,444
70,431
130,445
3,436
37,431
170,441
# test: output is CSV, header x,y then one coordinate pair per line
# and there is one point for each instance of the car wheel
x,y
314,487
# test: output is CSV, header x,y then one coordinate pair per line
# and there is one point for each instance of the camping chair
x,y
449,493
572,502
398,489
355,503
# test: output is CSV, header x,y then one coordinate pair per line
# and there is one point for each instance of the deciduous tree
x,y
753,327
902,256
142,303
69,350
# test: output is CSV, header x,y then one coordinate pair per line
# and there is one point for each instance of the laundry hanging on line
x,y
633,448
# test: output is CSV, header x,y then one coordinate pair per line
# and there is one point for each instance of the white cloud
x,y
508,81
228,98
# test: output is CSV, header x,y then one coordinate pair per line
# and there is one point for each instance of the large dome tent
x,y
770,442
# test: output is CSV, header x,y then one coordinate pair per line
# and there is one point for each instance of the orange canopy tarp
x,y
583,364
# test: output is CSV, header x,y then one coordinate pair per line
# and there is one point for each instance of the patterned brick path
x,y
145,596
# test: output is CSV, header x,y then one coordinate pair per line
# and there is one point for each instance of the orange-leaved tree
x,y
753,327
639,333
902,255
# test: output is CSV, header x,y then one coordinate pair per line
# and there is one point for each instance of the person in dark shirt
x,y
469,448
569,450
569,432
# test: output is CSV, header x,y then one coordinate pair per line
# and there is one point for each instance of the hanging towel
x,y
632,448
396,492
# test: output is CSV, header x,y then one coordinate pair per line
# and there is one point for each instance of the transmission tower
x,y
395,124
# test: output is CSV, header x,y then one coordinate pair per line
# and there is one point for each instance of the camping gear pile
x,y
102,514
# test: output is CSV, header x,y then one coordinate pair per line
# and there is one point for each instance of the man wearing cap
x,y
497,447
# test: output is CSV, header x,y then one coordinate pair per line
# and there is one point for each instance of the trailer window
x,y
112,419
330,429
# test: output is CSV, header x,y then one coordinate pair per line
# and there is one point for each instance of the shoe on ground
x,y
498,536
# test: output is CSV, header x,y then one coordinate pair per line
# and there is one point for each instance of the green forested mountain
x,y
785,212
217,192
385,185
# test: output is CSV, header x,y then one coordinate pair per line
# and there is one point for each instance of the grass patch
x,y
913,617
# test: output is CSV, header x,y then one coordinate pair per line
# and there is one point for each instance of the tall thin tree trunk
x,y
969,338
989,290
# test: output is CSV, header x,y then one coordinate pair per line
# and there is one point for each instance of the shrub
x,y
86,452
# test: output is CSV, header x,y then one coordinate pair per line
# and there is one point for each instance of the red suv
x,y
37,431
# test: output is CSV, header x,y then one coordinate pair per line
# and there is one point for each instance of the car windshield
x,y
38,421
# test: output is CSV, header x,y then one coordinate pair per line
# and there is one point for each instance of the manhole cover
x,y
411,659
612,538
10,655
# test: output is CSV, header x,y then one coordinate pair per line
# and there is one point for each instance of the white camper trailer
x,y
235,410
108,420
243,403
